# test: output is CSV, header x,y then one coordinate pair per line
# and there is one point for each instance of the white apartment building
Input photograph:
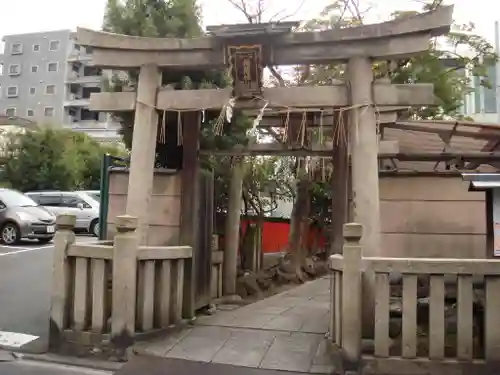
x,y
46,78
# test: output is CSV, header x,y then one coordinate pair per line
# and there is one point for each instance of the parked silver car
x,y
21,217
78,203
96,194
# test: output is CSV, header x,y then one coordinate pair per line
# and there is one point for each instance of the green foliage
x,y
462,47
175,18
50,158
156,18
443,65
267,181
153,18
234,134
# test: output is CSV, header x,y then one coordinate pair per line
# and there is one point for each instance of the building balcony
x,y
76,101
74,77
79,57
101,131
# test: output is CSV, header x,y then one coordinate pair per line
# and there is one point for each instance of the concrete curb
x,y
72,361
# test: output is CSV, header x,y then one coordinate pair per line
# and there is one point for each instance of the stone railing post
x,y
125,248
64,237
351,293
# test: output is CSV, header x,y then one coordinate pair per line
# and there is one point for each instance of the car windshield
x,y
95,196
89,197
12,198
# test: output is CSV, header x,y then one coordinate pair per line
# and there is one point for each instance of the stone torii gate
x,y
247,50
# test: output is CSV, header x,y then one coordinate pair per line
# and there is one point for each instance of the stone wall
x,y
164,208
432,217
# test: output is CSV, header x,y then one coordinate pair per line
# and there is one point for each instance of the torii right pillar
x,y
365,182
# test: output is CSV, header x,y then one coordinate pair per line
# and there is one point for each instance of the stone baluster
x,y
123,310
351,293
64,237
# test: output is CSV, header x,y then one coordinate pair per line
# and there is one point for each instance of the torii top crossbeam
x,y
400,38
396,39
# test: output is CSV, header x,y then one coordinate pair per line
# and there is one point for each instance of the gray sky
x,y
25,16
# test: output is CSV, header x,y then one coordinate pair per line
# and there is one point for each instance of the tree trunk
x,y
299,225
340,188
232,230
251,246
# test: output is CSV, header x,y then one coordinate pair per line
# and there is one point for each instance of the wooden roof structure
x,y
440,146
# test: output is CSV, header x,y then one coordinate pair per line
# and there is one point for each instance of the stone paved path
x,y
282,332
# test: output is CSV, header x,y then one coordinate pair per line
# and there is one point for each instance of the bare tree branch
x,y
242,7
289,14
276,75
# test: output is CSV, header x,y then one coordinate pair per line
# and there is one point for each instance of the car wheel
x,y
11,234
94,228
45,240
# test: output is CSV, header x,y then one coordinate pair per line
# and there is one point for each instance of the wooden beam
x,y
394,39
483,157
316,121
279,149
326,152
272,149
411,126
452,123
275,97
275,113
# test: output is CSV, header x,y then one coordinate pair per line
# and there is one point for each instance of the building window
x,y
34,69
10,112
54,45
49,112
52,67
14,69
50,89
16,49
36,47
32,90
12,92
30,113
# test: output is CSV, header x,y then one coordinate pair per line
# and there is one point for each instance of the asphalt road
x,y
25,282
39,368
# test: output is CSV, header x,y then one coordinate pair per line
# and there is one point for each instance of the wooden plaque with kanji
x,y
246,70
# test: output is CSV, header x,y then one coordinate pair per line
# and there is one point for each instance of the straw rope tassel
x,y
287,126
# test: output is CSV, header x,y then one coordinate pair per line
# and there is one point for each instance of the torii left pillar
x,y
142,159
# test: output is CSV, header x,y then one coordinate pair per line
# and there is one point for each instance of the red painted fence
x,y
275,234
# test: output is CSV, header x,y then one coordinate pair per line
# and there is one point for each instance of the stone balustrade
x,y
430,315
115,291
